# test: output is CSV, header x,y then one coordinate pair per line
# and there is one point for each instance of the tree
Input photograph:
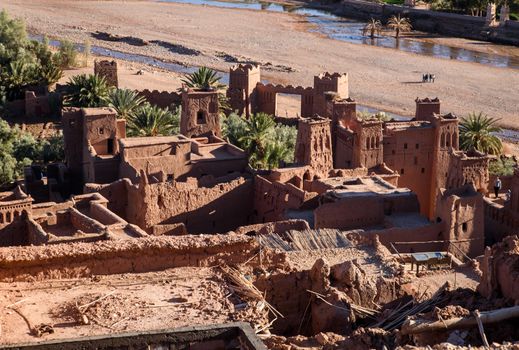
x,y
87,91
23,62
66,57
267,144
19,149
399,24
258,128
207,79
372,27
477,131
150,120
125,102
502,166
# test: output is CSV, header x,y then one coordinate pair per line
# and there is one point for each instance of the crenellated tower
x,y
243,79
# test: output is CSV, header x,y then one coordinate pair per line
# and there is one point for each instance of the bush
x,y
23,62
19,149
502,166
66,57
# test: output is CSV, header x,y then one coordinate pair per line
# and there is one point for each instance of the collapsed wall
x,y
500,267
114,257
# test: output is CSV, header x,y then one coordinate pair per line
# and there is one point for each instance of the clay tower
x,y
108,70
313,146
200,113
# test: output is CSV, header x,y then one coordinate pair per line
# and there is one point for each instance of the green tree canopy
x,y
150,120
267,143
19,149
477,131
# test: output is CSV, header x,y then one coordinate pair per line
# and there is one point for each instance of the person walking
x,y
497,186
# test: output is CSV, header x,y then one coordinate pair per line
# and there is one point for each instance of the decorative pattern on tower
x,y
108,70
200,113
314,146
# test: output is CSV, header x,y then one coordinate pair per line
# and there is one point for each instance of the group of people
x,y
428,78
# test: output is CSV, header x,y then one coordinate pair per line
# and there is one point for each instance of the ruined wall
x,y
201,209
168,155
287,293
272,199
162,99
500,267
114,257
116,193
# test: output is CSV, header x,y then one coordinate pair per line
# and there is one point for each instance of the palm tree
x,y
125,102
207,79
258,129
87,91
372,27
399,24
150,120
477,131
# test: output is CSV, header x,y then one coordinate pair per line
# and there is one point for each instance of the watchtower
x,y
243,79
426,108
313,145
108,70
329,82
200,113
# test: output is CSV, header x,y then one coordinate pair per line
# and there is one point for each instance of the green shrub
x,y
66,57
502,166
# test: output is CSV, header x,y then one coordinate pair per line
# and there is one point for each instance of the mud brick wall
x,y
113,257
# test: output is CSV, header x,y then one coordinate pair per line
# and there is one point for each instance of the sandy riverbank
x,y
203,35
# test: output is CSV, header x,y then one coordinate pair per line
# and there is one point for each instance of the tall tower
x,y
426,108
243,79
108,70
313,145
336,82
200,115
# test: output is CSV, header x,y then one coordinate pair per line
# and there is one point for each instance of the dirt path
x,y
202,35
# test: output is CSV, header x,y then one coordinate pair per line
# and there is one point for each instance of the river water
x,y
343,29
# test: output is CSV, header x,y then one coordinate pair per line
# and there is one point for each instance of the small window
x,y
393,152
417,146
200,117
405,145
423,170
402,171
464,227
101,131
110,146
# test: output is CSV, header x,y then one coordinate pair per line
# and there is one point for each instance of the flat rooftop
x,y
139,302
155,140
362,186
400,125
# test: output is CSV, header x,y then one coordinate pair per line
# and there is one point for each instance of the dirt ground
x,y
118,303
202,35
